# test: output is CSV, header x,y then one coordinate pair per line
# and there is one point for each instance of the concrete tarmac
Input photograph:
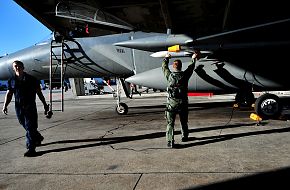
x,y
89,146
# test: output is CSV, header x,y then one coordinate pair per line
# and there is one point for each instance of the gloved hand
x,y
196,55
5,110
46,109
168,55
48,113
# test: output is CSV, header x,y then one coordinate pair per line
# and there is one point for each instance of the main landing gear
x,y
244,99
268,106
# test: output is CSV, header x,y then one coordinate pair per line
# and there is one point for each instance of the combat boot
x,y
171,144
39,140
30,153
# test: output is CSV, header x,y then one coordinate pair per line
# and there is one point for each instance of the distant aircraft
x,y
246,51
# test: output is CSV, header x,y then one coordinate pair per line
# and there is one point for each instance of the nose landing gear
x,y
121,108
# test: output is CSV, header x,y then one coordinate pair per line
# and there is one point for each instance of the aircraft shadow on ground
x,y
191,107
219,138
196,141
274,179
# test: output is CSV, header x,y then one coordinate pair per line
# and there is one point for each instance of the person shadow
x,y
192,141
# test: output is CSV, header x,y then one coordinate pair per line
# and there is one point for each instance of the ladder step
x,y
56,77
56,110
56,91
53,46
55,80
57,60
56,101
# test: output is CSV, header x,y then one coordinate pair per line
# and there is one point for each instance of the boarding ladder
x,y
56,75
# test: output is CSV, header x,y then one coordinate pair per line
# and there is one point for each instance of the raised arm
x,y
191,66
165,68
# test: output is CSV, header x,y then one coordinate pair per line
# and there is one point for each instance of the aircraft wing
x,y
195,18
109,16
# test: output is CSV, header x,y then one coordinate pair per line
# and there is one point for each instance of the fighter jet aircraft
x,y
246,50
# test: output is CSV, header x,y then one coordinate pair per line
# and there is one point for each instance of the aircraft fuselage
x,y
98,57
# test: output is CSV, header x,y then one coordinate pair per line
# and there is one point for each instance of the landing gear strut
x,y
121,108
245,98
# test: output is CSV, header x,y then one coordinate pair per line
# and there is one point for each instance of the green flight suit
x,y
177,104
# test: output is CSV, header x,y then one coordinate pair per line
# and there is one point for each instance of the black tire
x,y
268,106
122,109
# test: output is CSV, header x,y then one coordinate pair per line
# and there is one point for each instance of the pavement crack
x,y
53,126
135,150
111,131
138,181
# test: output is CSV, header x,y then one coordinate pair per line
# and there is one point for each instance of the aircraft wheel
x,y
268,106
122,109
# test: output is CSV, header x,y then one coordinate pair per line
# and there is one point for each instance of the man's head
x,y
18,67
177,65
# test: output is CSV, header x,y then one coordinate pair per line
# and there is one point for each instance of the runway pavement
x,y
89,146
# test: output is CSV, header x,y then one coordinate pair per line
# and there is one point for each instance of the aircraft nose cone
x,y
149,79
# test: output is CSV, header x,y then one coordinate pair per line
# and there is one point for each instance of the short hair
x,y
177,64
19,63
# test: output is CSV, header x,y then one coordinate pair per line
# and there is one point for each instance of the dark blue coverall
x,y
25,106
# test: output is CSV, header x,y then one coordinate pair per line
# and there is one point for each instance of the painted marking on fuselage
x,y
120,50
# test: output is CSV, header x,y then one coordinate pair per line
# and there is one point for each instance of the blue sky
x,y
18,29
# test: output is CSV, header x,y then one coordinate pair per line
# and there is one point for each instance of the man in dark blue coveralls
x,y
177,99
25,87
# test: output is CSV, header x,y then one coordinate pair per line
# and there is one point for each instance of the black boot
x,y
39,140
30,153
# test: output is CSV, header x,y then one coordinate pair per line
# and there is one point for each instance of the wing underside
x,y
196,18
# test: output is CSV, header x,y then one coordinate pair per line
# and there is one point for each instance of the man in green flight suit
x,y
177,99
